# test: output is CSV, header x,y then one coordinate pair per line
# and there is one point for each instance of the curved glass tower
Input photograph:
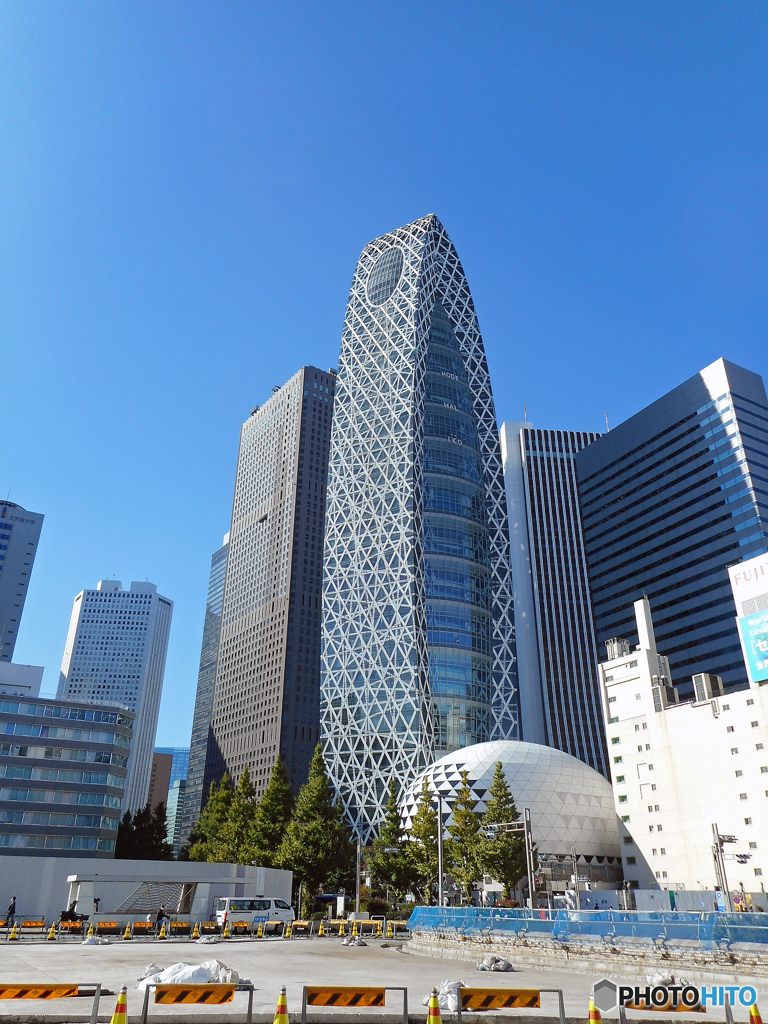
x,y
418,634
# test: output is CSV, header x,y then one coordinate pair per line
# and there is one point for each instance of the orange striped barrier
x,y
471,998
349,997
55,991
209,995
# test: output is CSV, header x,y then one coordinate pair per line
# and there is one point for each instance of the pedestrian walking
x,y
10,917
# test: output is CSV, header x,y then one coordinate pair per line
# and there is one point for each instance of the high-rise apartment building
x,y
557,659
206,678
115,652
418,633
62,776
669,499
266,696
19,536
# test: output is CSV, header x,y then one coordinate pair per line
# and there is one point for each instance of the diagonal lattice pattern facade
x,y
416,563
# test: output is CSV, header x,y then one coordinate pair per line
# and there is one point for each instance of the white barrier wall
x,y
42,884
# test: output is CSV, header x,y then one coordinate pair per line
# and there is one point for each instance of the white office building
x,y
678,769
115,653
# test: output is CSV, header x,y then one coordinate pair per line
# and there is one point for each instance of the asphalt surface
x,y
270,963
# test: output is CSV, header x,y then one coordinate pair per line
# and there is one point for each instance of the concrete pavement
x,y
270,963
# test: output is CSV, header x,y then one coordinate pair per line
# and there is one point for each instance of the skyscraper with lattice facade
x,y
418,631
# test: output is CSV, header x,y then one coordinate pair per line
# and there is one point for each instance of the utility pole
x,y
529,856
576,877
439,850
717,853
357,875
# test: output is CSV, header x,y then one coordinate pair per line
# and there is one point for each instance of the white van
x,y
253,910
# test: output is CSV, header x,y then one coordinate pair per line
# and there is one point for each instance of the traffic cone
x,y
225,933
433,1016
754,1015
341,929
162,934
281,1013
195,932
91,932
321,931
127,933
288,931
120,1015
260,932
390,932
52,933
594,1013
14,933
354,929
378,929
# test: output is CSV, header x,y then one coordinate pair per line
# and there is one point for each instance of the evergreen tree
x,y
205,842
462,850
423,838
144,835
502,854
234,839
271,818
395,870
317,845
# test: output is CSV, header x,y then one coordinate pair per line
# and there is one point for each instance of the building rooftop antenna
x,y
607,426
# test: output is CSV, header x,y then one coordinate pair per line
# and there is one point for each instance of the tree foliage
x,y
397,870
144,835
463,848
205,840
423,838
271,818
502,855
317,845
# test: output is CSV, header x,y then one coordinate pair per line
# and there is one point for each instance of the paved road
x,y
271,963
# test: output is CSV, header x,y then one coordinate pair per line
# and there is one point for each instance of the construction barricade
x,y
55,991
212,994
350,997
471,997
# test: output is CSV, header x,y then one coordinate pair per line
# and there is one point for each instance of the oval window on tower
x,y
384,278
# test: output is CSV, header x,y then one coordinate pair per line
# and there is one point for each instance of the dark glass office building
x,y
669,499
206,677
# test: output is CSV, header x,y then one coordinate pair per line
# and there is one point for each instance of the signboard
x,y
753,633
749,581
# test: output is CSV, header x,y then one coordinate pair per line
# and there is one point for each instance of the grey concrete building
x,y
267,691
557,658
63,768
19,536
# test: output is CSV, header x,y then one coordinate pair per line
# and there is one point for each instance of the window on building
x,y
663,851
763,769
654,852
754,724
627,840
615,739
620,778
653,786
631,860
747,821
729,728
638,696
758,746
739,774
726,707
622,799
650,828
742,796
753,846
750,702
658,828
758,871
637,728
658,874
611,700
734,750
625,817
617,760
663,874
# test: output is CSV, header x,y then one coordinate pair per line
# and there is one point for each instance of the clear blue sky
x,y
185,189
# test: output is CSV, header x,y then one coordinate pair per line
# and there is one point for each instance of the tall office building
x,y
557,659
179,762
19,536
669,499
206,678
115,652
267,692
418,634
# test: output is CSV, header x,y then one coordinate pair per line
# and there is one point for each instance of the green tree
x,y
234,839
462,850
271,818
205,844
143,835
423,837
317,844
394,870
502,854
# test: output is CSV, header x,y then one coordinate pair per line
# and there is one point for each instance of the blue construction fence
x,y
712,929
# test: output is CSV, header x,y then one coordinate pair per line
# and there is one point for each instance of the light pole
x,y
439,850
576,877
357,875
717,853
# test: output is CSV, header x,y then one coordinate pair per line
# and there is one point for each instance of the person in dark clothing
x,y
10,917
160,915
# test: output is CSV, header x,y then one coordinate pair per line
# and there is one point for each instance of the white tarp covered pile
x,y
447,996
190,974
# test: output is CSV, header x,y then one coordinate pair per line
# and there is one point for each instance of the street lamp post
x,y
357,875
439,850
576,877
717,853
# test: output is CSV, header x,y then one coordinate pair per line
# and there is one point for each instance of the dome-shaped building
x,y
571,804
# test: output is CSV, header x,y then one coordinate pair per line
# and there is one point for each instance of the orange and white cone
x,y
14,936
754,1015
354,928
162,934
390,932
342,933
594,1013
433,1016
378,929
120,1016
281,1013
225,933
321,931
52,933
195,932
260,932
127,933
